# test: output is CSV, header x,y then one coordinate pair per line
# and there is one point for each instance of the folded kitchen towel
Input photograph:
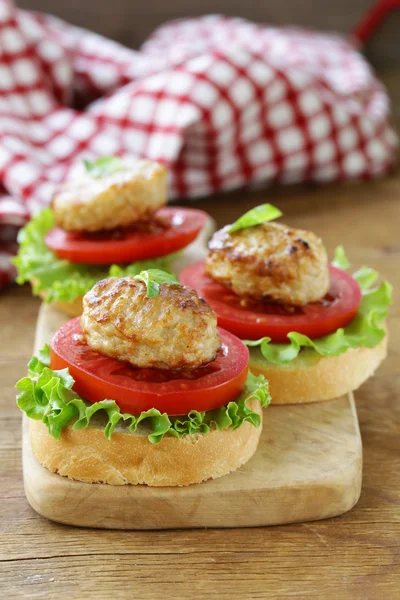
x,y
221,101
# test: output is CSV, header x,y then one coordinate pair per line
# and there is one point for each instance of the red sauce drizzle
x,y
152,226
271,308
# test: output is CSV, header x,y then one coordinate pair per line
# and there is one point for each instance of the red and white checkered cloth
x,y
221,101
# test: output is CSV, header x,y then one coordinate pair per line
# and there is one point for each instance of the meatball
x,y
270,262
173,330
119,199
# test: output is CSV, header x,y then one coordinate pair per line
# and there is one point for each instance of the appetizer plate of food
x,y
152,409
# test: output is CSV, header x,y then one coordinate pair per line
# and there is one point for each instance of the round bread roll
x,y
311,377
129,458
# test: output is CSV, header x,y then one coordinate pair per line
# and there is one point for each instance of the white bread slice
x,y
72,309
129,458
194,252
311,377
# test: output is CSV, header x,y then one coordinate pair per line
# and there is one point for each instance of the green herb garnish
x,y
255,216
153,278
103,166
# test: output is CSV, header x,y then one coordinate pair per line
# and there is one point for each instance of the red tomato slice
x,y
174,229
257,320
134,390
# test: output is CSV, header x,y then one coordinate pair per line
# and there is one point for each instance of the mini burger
x,y
107,219
314,330
144,388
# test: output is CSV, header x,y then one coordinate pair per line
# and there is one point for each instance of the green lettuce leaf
x,y
62,280
47,396
255,216
365,330
340,259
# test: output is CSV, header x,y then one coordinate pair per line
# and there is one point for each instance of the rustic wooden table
x,y
356,556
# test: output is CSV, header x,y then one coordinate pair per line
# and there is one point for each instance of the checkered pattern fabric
x,y
221,101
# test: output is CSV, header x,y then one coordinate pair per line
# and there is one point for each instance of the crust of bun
x,y
325,378
129,458
72,309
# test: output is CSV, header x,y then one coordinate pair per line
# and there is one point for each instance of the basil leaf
x,y
103,166
255,216
153,278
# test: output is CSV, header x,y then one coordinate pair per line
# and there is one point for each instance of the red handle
x,y
374,17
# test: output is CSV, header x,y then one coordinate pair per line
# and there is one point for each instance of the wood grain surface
x,y
299,473
355,556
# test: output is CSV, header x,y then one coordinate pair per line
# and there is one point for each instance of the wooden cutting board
x,y
308,466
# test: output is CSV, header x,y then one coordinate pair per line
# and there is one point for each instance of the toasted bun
x,y
72,309
87,455
311,378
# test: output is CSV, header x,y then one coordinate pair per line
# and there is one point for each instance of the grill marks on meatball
x,y
270,262
173,330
